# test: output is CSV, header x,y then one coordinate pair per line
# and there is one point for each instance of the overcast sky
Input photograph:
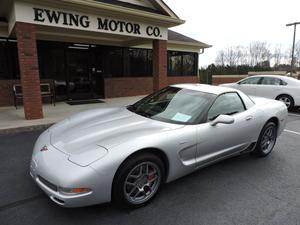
x,y
224,23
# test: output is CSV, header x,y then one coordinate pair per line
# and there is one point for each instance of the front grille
x,y
53,187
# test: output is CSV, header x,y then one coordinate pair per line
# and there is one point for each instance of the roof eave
x,y
195,44
165,20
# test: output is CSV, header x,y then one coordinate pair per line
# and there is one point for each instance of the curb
x,y
25,129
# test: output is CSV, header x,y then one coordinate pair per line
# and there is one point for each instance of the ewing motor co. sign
x,y
60,18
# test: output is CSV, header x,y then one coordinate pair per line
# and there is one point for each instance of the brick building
x,y
91,49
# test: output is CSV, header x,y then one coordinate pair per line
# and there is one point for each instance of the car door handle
x,y
249,118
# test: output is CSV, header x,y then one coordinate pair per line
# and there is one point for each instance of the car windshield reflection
x,y
174,105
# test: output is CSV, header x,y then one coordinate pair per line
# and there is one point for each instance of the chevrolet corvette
x,y
126,154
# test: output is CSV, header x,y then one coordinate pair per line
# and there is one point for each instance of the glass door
x,y
98,72
79,74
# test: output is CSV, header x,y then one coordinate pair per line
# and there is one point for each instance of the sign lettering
x,y
42,15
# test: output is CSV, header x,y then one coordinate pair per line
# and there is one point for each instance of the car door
x,y
222,140
270,87
249,85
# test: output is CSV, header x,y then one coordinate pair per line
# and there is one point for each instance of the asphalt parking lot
x,y
240,190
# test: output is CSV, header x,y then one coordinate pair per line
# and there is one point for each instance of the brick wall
x,y
160,66
127,86
133,86
185,79
221,79
29,70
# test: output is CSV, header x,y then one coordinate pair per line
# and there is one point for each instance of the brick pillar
x,y
160,77
29,69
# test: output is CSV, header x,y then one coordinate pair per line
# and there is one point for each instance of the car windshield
x,y
174,105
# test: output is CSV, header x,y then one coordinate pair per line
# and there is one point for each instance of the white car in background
x,y
285,89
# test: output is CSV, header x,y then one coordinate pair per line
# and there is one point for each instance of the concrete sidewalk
x,y
12,120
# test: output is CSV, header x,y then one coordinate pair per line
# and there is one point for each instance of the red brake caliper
x,y
151,177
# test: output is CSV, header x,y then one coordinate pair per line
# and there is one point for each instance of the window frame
x,y
244,106
248,78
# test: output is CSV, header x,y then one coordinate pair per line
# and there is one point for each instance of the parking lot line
x,y
293,132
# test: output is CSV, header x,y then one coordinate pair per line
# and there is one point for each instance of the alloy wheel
x,y
286,101
142,182
268,139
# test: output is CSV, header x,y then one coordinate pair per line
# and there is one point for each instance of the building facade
x,y
91,49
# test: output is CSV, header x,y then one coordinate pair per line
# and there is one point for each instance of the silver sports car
x,y
125,154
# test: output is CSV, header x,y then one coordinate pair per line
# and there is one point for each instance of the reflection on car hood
x,y
102,127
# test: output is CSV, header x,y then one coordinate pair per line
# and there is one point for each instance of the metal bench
x,y
46,92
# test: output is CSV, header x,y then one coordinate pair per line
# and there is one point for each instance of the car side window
x,y
271,81
251,81
226,104
283,83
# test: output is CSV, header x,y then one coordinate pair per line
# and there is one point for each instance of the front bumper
x,y
61,199
51,170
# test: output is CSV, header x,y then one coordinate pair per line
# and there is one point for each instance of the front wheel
x,y
138,180
266,140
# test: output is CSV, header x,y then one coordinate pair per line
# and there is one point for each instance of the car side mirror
x,y
225,119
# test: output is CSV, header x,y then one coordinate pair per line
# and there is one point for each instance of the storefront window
x,y
116,62
9,64
182,63
140,62
175,63
112,61
188,64
52,65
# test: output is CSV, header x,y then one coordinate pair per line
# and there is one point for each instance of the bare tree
x,y
230,56
288,55
297,53
277,55
243,56
254,53
220,60
259,52
233,55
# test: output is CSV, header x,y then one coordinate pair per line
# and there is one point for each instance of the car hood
x,y
104,128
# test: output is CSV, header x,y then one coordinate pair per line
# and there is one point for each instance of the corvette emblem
x,y
43,149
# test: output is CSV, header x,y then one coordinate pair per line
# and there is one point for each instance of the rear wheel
x,y
266,140
138,180
287,100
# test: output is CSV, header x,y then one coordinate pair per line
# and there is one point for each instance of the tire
x,y
266,140
133,187
287,100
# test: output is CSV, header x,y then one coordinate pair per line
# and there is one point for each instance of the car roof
x,y
267,75
285,78
212,89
